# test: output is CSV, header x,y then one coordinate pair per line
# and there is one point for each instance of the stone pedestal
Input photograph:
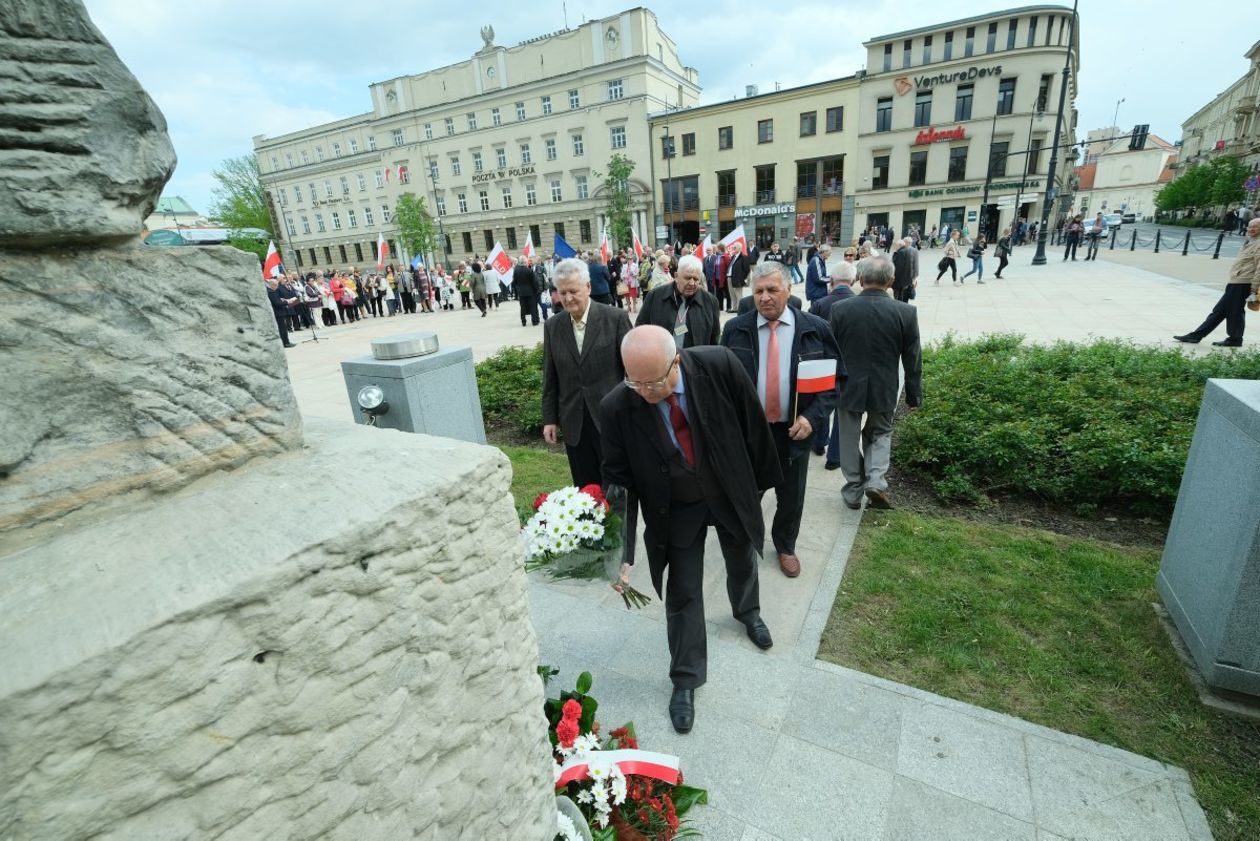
x,y
435,394
1209,578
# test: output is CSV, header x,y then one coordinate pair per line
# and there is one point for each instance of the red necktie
x,y
774,413
682,431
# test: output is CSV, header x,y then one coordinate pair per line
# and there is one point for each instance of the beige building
x,y
1124,180
1229,124
507,144
774,161
944,108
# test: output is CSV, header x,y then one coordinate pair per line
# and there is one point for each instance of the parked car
x,y
1113,220
1128,218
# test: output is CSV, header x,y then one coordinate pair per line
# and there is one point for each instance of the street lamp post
x,y
1039,259
1019,191
669,179
988,179
433,179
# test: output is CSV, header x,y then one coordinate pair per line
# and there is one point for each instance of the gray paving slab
x,y
847,717
920,812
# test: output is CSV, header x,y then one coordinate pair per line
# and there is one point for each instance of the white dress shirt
x,y
579,326
783,335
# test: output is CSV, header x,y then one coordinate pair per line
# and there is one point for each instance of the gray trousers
x,y
864,452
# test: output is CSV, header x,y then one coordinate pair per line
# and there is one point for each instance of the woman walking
x,y
949,262
477,287
1003,251
1073,237
976,253
630,277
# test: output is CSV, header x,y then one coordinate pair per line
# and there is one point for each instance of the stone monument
x,y
217,622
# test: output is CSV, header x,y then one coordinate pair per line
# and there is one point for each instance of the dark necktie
x,y
678,420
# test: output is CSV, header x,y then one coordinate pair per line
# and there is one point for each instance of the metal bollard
x,y
1216,255
1133,241
1185,248
1157,233
1115,232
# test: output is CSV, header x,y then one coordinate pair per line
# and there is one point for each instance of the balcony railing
x,y
806,191
765,196
833,188
726,200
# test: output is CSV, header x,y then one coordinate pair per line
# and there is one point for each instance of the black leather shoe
x,y
1227,343
1188,339
818,451
682,709
878,499
759,633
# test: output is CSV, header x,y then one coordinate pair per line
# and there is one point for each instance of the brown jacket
x,y
1246,268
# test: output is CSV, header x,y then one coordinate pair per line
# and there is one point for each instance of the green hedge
x,y
510,384
1107,423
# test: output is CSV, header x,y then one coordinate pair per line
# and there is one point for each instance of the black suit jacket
x,y
747,304
821,307
571,380
732,437
523,282
660,307
875,334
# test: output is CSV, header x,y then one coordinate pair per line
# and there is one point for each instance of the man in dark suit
x,y
523,285
601,280
690,443
904,265
581,364
816,273
841,277
683,307
734,267
875,334
770,343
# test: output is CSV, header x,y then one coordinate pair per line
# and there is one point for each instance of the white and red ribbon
x,y
640,763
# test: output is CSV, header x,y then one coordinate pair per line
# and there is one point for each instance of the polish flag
x,y
605,250
499,260
641,763
382,251
528,250
389,173
638,246
271,266
736,237
814,376
704,247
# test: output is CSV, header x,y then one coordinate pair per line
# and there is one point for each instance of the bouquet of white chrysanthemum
x,y
574,533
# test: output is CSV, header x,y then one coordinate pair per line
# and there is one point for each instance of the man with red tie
x,y
687,438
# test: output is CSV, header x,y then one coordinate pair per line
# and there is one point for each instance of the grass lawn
x,y
1055,630
535,470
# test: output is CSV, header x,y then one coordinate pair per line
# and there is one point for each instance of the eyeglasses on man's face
x,y
651,385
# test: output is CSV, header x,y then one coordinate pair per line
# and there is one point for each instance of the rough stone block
x,y
138,370
313,647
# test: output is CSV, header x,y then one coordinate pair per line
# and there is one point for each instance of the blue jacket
x,y
816,278
600,282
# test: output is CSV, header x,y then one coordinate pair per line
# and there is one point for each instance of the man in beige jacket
x,y
1244,280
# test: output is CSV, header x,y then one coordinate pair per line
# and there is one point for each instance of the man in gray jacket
x,y
875,334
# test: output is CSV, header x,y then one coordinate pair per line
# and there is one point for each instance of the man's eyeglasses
x,y
652,385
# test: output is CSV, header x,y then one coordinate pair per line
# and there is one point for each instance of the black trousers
x,y
1002,261
1070,250
584,456
529,308
282,319
1230,308
903,294
684,590
950,266
789,494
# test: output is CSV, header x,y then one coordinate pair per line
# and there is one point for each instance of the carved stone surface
x,y
132,371
83,149
335,644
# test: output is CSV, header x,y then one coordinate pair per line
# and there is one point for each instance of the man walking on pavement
x,y
875,334
526,295
1244,280
684,308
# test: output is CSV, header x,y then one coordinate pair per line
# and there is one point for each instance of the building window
x,y
319,223
298,253
1043,92
923,108
689,143
297,192
361,182
306,225
531,195
358,252
507,197
328,188
535,235
726,188
327,254
918,168
345,185
1006,97
450,126
905,53
581,186
555,191
526,157
1049,28
1010,33
275,163
500,157
969,46
617,134
578,148
997,158
440,203
284,197
765,183
927,49
1034,155
549,146
887,57
428,131
398,136
990,43
614,89
380,179
319,153
835,119
371,142
367,217
558,227
879,172
341,249
574,102
726,137
306,158
496,118
483,199
352,218
386,215
667,146
806,179
477,165
455,167
833,175
520,111
962,105
949,46
462,202
468,242
288,159
765,131
488,236
511,238
311,185
336,147
336,220
472,121
546,105
1032,32
958,164
809,123
883,114
354,146
584,230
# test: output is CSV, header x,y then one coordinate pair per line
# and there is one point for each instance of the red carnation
x,y
571,711
539,500
567,733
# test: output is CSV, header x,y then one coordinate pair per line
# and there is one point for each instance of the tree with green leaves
x,y
1228,177
416,230
1217,182
239,201
617,188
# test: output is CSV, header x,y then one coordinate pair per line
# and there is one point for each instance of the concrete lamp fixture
x,y
372,402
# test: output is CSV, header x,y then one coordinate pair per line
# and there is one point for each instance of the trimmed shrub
x,y
510,385
1083,426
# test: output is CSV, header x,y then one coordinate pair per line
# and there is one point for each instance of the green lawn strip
x,y
535,471
1054,630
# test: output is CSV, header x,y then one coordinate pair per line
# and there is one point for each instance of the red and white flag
x,y
605,250
382,251
814,376
640,763
528,250
499,260
705,246
389,173
736,237
271,266
638,246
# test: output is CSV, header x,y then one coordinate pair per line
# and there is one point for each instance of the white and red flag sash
x,y
638,246
736,237
271,266
814,376
382,250
641,763
705,246
528,250
499,260
605,251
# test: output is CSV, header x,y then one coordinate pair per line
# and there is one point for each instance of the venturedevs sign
x,y
970,74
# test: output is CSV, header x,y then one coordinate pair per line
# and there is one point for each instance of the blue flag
x,y
563,249
417,262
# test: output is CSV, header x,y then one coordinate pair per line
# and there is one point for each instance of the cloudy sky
x,y
223,71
